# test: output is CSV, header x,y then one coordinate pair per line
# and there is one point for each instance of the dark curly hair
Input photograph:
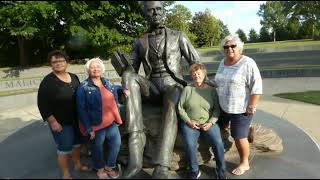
x,y
57,54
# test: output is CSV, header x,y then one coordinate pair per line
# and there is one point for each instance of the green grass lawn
x,y
312,97
277,44
305,42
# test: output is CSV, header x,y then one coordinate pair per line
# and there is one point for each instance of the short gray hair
x,y
234,38
98,60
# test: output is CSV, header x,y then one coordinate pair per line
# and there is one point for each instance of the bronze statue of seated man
x,y
160,51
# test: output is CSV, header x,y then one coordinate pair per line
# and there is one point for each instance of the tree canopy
x,y
291,19
206,27
272,13
242,35
253,36
85,29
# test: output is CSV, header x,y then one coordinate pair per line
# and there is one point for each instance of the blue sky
x,y
235,14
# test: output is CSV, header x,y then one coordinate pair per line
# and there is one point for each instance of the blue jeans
x,y
112,135
213,136
67,139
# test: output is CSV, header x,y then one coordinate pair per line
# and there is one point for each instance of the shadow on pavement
x,y
30,153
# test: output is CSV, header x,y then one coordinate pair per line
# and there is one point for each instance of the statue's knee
x,y
126,76
173,95
129,79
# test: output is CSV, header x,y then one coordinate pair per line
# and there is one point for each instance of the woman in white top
x,y
239,87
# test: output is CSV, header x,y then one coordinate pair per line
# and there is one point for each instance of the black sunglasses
x,y
227,47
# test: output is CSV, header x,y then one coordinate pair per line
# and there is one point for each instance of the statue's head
x,y
153,12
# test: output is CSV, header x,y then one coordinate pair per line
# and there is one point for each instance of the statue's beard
x,y
158,22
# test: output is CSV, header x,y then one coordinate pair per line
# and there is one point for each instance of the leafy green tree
x,y
97,28
26,20
242,35
9,55
82,28
306,30
293,27
166,4
264,35
206,27
308,13
224,29
179,18
273,16
283,34
253,36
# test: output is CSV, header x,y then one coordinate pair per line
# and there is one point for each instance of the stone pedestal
x,y
266,141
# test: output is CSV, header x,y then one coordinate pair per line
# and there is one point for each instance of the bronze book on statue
x,y
120,62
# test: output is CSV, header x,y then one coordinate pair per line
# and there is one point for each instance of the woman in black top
x,y
57,106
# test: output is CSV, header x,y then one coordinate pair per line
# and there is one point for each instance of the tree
x,y
8,50
168,3
206,27
25,20
264,35
253,36
97,28
242,35
283,34
224,29
272,14
306,30
293,27
179,18
82,28
308,13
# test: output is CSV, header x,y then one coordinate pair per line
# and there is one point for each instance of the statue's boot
x,y
160,172
136,142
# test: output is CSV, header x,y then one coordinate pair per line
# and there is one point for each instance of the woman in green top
x,y
199,109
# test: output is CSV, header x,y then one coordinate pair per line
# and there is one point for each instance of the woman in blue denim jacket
x,y
100,117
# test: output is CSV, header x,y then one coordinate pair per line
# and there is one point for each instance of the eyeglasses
x,y
231,46
56,62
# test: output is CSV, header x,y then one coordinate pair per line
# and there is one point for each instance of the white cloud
x,y
235,14
239,14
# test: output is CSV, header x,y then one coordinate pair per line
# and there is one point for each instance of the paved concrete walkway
x,y
303,115
25,118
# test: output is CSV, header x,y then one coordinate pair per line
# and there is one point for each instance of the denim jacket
x,y
89,103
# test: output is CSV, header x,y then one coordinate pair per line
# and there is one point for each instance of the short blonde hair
x,y
98,60
196,67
